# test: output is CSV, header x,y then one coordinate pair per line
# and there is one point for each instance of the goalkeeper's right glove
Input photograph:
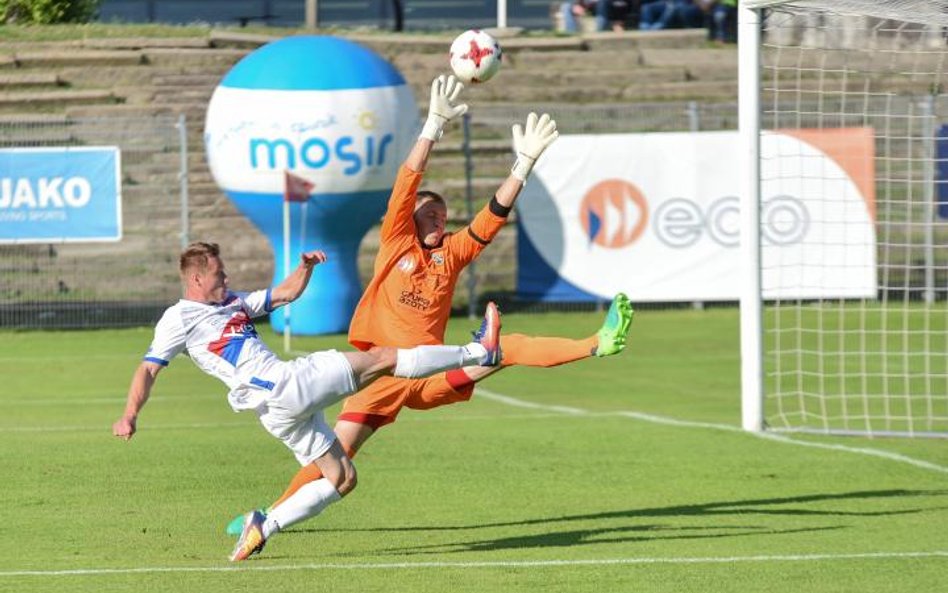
x,y
444,90
530,142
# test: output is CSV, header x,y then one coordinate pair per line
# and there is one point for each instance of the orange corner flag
x,y
296,188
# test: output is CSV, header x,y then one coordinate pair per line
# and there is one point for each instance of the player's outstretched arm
x,y
442,108
138,392
293,285
529,142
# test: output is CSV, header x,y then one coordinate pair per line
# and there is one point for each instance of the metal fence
x,y
128,283
80,285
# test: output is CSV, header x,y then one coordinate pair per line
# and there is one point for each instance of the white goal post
x,y
844,151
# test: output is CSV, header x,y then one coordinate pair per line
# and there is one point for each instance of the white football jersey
x,y
223,342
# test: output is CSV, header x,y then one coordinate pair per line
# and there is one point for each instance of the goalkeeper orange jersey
x,y
408,301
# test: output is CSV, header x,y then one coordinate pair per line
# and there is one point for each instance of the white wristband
x,y
521,169
433,128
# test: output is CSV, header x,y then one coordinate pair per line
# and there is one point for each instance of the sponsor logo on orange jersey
x,y
414,300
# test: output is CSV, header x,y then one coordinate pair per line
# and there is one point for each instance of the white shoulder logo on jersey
x,y
406,264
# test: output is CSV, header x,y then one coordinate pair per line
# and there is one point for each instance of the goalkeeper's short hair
x,y
424,196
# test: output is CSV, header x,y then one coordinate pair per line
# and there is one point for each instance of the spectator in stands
x,y
669,14
573,10
615,15
721,19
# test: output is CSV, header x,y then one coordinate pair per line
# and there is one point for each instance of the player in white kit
x,y
213,326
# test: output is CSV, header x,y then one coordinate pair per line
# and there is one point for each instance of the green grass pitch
x,y
620,474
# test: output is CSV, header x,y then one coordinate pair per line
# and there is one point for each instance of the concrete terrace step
x,y
30,79
439,44
224,57
85,57
120,110
183,96
526,80
147,42
203,187
81,75
598,91
230,39
670,38
34,120
692,57
627,58
198,79
36,99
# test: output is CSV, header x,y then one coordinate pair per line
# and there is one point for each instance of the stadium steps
x,y
121,110
137,43
84,57
12,101
670,38
174,76
182,78
177,56
30,80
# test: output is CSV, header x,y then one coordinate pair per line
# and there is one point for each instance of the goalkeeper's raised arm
x,y
442,108
529,142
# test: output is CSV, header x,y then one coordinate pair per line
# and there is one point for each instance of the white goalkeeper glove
x,y
530,142
444,90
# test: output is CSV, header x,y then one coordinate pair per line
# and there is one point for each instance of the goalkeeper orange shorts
x,y
380,402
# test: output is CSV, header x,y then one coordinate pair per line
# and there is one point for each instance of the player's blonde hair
x,y
197,255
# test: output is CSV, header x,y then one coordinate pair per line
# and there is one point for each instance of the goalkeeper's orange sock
x,y
533,351
308,473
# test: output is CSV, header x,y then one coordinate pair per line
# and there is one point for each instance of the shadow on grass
x,y
652,532
756,506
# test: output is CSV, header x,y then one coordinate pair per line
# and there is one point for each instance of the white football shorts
x,y
294,412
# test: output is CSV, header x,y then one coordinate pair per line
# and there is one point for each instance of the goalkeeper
x,y
408,300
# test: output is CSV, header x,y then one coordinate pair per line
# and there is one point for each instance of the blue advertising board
x,y
63,194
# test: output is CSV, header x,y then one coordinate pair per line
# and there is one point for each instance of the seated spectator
x,y
669,14
721,19
573,10
615,14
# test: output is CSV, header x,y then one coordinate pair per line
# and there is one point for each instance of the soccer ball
x,y
475,56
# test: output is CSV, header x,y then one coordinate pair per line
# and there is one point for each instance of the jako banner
x,y
658,216
54,195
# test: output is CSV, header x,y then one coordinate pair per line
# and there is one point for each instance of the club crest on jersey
x,y
438,258
237,330
406,264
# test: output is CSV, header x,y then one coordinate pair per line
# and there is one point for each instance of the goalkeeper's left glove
x,y
530,142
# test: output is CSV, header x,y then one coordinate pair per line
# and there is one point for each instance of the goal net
x,y
853,215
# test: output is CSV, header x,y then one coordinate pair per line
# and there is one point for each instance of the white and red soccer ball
x,y
475,56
